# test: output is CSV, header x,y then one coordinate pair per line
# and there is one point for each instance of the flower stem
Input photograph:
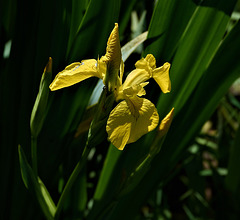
x,y
34,155
71,180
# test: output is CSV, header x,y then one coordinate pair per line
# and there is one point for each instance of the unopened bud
x,y
40,105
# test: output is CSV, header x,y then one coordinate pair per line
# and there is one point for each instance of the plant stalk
x,y
34,155
71,180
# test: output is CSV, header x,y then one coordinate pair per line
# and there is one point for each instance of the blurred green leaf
x,y
169,20
111,159
129,47
194,52
36,187
125,13
77,13
233,178
94,29
101,199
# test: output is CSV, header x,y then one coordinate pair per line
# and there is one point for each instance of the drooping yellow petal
x,y
130,120
161,76
119,125
165,124
147,119
75,73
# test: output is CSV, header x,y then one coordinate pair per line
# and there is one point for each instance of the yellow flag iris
x,y
134,116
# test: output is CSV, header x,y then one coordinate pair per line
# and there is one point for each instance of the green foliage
x,y
36,186
192,174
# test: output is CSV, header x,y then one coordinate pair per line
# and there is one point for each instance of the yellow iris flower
x,y
134,116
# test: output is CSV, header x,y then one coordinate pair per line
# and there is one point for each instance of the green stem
x,y
71,180
34,155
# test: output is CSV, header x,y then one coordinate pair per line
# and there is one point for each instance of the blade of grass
x,y
168,23
38,188
195,50
233,178
99,18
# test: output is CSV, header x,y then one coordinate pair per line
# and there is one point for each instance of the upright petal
x,y
148,63
130,120
143,71
136,77
113,59
161,76
75,73
113,54
146,69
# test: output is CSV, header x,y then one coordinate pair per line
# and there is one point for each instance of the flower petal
x,y
113,59
101,68
135,77
147,118
165,124
161,76
135,90
148,63
119,125
143,71
130,120
113,54
75,73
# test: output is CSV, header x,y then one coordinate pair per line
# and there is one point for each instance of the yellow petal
x,y
113,54
161,76
165,124
101,68
75,73
113,59
135,90
119,90
135,77
146,69
119,125
121,71
148,63
130,120
143,71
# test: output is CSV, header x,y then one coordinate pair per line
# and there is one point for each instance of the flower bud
x,y
40,105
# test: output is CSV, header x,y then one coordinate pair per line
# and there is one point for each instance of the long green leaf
x,y
195,50
169,20
94,29
38,188
77,13
233,178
